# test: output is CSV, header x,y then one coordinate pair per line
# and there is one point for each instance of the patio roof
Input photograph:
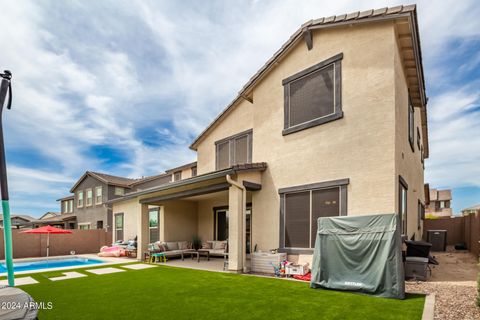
x,y
202,184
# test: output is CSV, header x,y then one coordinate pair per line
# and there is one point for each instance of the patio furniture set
x,y
160,251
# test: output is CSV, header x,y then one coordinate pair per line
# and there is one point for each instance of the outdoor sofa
x,y
170,248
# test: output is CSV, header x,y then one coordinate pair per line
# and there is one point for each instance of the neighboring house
x,y
440,203
87,208
333,124
471,210
56,219
19,221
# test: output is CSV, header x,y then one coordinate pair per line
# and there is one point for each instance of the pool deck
x,y
106,262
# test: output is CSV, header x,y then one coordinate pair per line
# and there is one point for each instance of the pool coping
x,y
106,262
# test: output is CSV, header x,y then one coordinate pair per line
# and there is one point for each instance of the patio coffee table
x,y
192,253
204,252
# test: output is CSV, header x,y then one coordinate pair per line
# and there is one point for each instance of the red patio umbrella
x,y
47,230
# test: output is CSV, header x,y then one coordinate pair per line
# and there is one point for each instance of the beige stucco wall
x,y
360,146
130,209
179,220
407,162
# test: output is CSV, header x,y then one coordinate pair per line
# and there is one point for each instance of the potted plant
x,y
196,242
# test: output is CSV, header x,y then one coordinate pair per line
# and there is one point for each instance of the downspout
x,y
244,209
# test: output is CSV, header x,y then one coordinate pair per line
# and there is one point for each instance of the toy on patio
x,y
113,251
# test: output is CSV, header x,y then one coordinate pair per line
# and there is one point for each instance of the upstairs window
x,y
411,124
194,171
70,206
233,150
80,199
89,197
177,176
119,191
313,96
98,195
65,207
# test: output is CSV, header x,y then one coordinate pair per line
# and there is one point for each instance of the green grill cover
x,y
360,254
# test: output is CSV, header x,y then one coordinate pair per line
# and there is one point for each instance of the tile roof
x,y
115,180
22,216
185,166
476,207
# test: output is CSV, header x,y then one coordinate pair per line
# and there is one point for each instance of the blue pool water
x,y
50,263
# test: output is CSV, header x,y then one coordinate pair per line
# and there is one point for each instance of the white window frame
x,y
86,197
96,195
80,200
117,191
85,224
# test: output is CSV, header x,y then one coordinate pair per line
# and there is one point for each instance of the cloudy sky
x,y
124,86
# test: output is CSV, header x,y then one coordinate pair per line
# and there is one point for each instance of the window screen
x,y
234,150
223,155
312,96
241,150
325,203
297,220
177,176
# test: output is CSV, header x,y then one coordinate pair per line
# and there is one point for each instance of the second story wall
x,y
96,211
409,160
359,146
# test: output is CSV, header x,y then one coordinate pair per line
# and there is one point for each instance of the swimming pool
x,y
31,265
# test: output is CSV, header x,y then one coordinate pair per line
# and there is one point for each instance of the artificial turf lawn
x,y
175,293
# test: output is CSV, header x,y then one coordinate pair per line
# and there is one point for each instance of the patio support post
x,y
236,237
142,231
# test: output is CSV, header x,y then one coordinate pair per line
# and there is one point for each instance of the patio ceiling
x,y
200,185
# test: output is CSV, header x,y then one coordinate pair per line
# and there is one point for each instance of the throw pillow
x,y
172,246
207,245
183,245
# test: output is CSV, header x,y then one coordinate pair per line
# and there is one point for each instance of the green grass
x,y
174,293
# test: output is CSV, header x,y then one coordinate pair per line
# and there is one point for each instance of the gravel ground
x,y
454,284
453,300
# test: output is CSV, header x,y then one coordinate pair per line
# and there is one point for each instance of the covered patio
x,y
214,206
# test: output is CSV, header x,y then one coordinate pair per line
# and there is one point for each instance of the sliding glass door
x,y
221,226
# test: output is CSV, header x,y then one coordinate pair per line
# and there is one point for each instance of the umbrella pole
x,y
7,223
48,243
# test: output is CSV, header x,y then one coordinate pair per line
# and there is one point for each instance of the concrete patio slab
x,y
68,275
138,266
105,270
20,281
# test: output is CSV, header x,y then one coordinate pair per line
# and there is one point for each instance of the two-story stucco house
x,y
333,124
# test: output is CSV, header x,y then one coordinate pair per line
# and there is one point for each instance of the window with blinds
x,y
233,150
301,206
302,209
313,96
